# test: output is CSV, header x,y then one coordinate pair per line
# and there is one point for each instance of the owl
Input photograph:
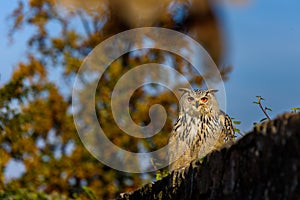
x,y
201,127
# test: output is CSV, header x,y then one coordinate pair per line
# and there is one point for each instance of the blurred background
x,y
256,45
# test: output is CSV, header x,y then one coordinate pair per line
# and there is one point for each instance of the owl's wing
x,y
228,130
178,152
174,146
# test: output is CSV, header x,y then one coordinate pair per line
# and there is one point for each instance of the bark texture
x,y
264,164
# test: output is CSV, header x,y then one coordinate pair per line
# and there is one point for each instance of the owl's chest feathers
x,y
199,129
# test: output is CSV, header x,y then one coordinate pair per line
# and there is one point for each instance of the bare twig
x,y
240,134
261,107
153,164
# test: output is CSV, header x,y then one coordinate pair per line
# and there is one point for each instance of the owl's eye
x,y
190,99
204,99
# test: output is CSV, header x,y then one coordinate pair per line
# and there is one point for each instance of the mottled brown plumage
x,y
201,128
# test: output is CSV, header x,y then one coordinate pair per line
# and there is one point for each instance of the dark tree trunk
x,y
264,164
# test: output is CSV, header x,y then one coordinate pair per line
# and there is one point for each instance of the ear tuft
x,y
184,90
212,91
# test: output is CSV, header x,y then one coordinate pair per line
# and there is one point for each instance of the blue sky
x,y
264,48
263,40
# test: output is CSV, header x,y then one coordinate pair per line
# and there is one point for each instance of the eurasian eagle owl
x,y
201,128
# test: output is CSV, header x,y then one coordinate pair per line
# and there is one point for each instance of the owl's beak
x,y
197,104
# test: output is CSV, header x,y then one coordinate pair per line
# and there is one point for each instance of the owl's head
x,y
197,102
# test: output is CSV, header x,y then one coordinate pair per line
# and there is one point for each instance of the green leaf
x,y
237,130
255,102
268,108
158,175
295,109
165,172
263,119
89,192
236,122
